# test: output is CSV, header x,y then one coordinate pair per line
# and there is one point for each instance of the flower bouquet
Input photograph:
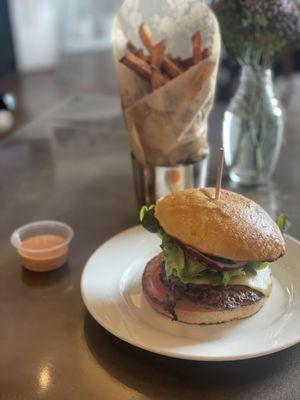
x,y
254,31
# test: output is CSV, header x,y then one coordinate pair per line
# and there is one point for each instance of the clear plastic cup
x,y
43,245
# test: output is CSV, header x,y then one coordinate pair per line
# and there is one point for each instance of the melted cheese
x,y
260,282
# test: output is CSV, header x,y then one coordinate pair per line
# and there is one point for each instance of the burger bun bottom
x,y
207,317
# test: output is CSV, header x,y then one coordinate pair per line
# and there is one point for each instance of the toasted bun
x,y
233,227
206,317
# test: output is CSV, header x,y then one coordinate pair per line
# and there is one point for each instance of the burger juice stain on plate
x,y
119,305
130,290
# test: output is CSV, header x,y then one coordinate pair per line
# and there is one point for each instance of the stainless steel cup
x,y
152,182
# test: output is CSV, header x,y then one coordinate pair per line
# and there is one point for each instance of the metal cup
x,y
152,182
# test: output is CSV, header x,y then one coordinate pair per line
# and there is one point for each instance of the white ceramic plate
x,y
111,290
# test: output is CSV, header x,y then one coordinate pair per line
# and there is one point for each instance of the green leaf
x,y
148,220
174,257
258,265
226,278
193,267
253,267
237,272
227,275
283,222
215,277
178,264
249,269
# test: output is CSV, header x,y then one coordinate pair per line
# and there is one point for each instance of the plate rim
x,y
167,353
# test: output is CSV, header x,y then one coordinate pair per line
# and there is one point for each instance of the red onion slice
x,y
208,261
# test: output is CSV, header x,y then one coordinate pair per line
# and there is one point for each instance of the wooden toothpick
x,y
219,174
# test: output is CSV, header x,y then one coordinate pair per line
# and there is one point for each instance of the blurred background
x,y
51,48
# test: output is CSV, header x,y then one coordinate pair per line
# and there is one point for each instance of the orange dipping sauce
x,y
43,252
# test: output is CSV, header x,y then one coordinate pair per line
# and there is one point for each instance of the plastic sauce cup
x,y
43,245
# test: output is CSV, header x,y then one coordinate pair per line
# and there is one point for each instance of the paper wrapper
x,y
168,126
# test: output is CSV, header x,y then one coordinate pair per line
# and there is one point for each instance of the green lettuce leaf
x,y
193,267
253,267
174,257
180,265
149,221
215,278
283,222
258,265
227,275
177,263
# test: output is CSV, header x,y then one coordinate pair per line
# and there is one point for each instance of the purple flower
x,y
254,30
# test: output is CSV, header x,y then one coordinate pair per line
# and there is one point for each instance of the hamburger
x,y
214,265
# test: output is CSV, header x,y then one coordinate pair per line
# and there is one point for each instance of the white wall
x,y
34,33
44,30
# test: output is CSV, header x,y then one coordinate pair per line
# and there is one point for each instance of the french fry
x,y
158,67
187,62
197,44
146,36
205,54
137,65
131,47
139,53
170,68
176,60
157,53
157,79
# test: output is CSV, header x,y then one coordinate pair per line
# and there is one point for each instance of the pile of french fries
x,y
156,66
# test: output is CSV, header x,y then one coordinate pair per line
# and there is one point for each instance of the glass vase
x,y
253,129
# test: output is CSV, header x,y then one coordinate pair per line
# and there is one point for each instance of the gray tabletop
x,y
73,165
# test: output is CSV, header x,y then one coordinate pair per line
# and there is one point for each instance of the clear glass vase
x,y
253,129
